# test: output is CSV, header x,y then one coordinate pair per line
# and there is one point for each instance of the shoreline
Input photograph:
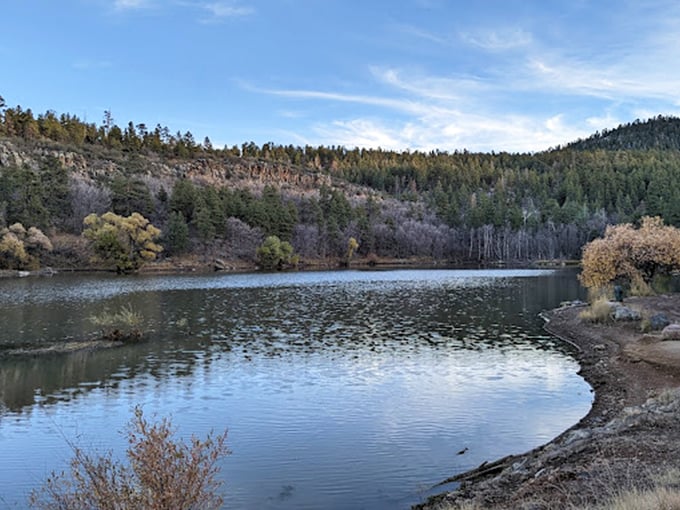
x,y
633,423
190,265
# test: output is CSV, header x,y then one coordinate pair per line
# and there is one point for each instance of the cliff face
x,y
98,165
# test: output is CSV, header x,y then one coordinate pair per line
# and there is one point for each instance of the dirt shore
x,y
629,439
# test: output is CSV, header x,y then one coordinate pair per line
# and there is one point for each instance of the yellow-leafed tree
x,y
631,255
123,242
21,248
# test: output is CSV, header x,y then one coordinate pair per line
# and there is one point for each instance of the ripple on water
x,y
338,389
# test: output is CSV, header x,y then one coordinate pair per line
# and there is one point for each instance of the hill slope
x,y
659,133
457,207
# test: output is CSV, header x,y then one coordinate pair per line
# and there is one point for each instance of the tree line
x,y
459,206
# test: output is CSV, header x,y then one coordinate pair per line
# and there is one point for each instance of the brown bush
x,y
630,255
161,474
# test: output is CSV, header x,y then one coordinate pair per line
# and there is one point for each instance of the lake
x,y
340,389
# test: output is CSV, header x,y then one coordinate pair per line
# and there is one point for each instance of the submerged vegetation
x,y
123,325
209,202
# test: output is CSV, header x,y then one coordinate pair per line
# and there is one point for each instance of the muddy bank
x,y
628,439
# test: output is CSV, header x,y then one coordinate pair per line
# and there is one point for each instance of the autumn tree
x,y
275,254
123,242
352,247
21,248
632,256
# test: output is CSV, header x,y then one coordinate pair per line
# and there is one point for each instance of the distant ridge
x,y
658,133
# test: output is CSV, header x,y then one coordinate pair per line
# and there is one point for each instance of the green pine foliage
x,y
176,234
454,205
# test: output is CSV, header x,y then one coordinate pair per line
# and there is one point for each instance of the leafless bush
x,y
86,198
162,474
242,239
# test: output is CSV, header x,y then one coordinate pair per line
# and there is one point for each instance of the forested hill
x,y
214,202
662,133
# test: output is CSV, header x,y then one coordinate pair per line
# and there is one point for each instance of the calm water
x,y
339,389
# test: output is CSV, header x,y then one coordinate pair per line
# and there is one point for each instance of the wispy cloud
x,y
122,5
431,119
404,105
220,11
531,92
498,40
88,64
425,35
617,81
466,130
440,88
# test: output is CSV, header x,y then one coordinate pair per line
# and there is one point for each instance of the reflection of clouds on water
x,y
89,288
342,385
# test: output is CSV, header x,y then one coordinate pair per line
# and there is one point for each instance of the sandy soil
x,y
631,437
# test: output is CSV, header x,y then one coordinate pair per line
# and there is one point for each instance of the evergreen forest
x,y
222,203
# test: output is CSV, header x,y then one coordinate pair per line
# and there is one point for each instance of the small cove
x,y
351,389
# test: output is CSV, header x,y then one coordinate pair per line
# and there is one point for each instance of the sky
x,y
484,75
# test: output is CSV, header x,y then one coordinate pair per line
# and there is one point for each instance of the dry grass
x,y
661,498
599,311
122,325
637,490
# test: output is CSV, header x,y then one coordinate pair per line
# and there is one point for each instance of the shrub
x,y
162,473
599,311
120,326
633,256
275,254
123,242
21,248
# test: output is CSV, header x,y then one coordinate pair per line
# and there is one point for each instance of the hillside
x,y
215,203
660,133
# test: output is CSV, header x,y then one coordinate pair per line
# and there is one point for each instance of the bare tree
x,y
86,198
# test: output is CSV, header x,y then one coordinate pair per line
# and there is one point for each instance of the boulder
x,y
658,321
671,332
623,313
220,265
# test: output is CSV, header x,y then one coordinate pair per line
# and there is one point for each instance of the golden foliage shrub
x,y
631,255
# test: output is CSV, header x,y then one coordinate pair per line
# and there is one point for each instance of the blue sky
x,y
402,74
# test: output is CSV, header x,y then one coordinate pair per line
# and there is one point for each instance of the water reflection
x,y
339,389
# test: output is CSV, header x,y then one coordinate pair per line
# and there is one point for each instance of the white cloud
x,y
534,97
219,11
431,87
403,105
131,4
512,133
290,114
498,40
597,123
419,33
434,119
